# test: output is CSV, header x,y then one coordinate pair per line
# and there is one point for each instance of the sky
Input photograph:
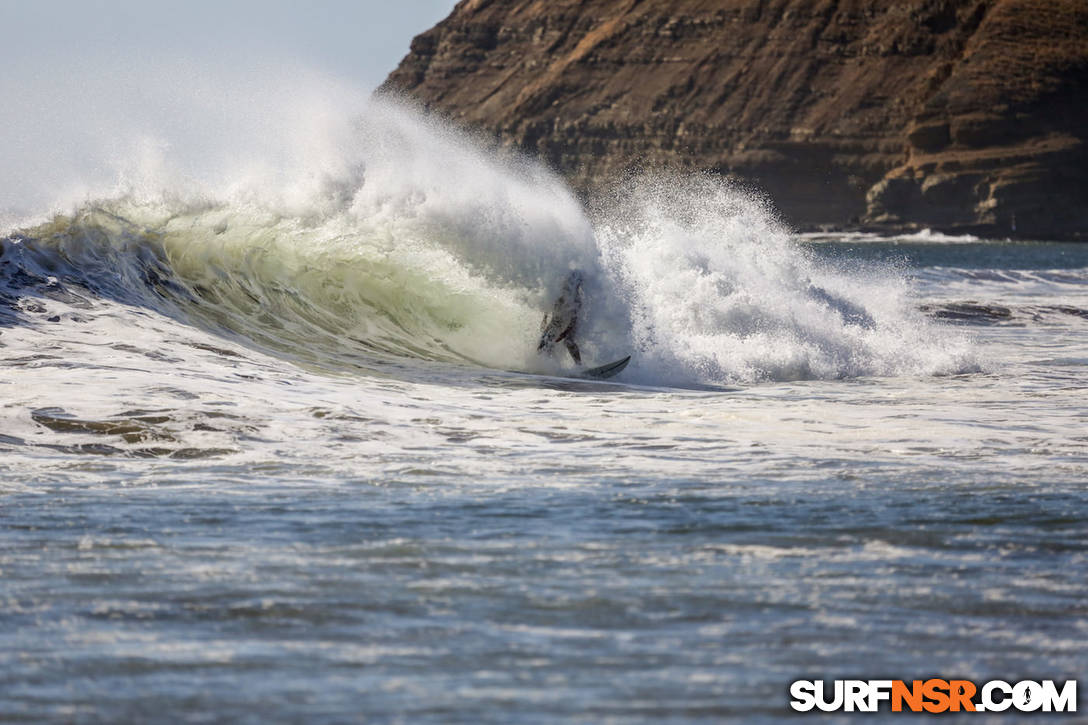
x,y
360,41
93,91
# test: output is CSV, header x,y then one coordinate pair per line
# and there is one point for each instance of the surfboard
x,y
606,371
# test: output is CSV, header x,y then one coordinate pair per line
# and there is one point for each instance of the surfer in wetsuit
x,y
563,322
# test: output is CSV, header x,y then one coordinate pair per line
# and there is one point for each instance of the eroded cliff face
x,y
960,115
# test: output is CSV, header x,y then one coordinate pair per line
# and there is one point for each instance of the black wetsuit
x,y
563,323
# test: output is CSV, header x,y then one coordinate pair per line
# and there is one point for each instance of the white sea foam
x,y
923,236
302,217
718,292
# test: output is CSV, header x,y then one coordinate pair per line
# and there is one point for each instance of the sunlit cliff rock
x,y
958,115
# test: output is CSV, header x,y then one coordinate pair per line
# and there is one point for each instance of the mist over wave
x,y
718,288
302,219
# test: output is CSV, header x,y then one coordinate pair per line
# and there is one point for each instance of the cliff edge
x,y
958,115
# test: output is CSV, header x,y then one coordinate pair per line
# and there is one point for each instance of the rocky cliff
x,y
959,115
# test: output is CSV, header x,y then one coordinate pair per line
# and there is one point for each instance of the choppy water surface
x,y
304,466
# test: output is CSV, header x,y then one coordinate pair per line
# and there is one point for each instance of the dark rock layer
x,y
959,115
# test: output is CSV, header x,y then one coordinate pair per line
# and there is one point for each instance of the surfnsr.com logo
x,y
933,695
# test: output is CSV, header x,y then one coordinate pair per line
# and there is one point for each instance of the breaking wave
x,y
385,235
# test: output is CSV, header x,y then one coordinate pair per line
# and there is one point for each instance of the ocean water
x,y
276,446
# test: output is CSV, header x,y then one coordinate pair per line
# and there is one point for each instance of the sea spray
x,y
717,291
337,232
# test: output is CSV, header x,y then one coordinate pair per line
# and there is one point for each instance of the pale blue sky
x,y
358,40
86,84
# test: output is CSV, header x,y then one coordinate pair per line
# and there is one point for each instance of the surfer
x,y
563,323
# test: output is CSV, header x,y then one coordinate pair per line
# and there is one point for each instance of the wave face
x,y
383,236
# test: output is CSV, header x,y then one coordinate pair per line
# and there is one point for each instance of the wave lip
x,y
404,238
